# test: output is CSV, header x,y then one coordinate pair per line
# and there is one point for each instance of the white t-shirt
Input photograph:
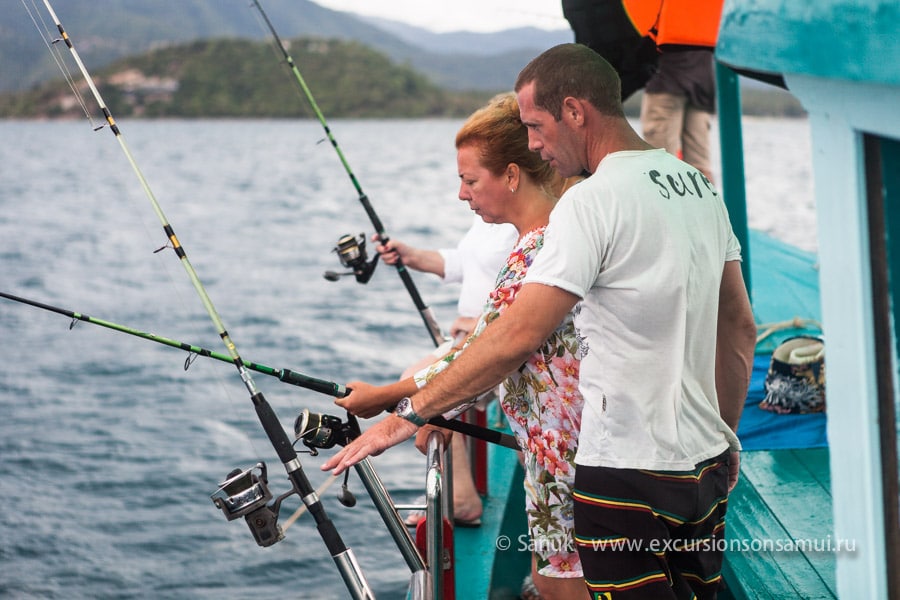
x,y
643,242
476,261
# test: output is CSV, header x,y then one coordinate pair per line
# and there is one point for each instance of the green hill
x,y
231,73
108,30
242,78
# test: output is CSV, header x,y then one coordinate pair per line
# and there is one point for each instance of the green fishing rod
x,y
285,375
347,245
322,386
232,496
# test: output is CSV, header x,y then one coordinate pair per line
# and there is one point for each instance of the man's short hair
x,y
572,70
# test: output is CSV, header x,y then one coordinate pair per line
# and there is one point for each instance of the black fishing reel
x,y
351,252
325,431
318,431
246,494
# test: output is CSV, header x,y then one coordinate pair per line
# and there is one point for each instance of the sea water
x,y
111,445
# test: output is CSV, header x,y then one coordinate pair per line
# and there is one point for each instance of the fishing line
x,y
302,508
434,329
172,238
50,42
322,386
43,29
431,324
261,517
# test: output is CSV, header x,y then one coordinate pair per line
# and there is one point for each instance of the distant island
x,y
239,78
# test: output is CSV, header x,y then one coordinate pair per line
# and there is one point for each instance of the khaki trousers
x,y
669,122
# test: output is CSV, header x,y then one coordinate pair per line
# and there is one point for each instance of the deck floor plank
x,y
779,516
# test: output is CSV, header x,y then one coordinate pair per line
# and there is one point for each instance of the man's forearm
x,y
486,362
732,383
499,350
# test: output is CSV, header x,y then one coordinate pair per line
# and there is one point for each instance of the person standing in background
x,y
605,27
680,98
474,264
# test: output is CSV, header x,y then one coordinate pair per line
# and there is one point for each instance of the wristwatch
x,y
404,410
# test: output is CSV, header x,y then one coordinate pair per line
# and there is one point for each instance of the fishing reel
x,y
352,254
246,494
325,431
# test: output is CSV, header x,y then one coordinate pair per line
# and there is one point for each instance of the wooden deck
x,y
779,521
780,513
485,568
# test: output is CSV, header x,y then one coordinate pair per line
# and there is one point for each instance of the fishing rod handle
x,y
311,383
482,433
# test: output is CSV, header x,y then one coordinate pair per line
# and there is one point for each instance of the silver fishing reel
x,y
246,494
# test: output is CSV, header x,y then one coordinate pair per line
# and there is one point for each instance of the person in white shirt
x,y
644,252
474,264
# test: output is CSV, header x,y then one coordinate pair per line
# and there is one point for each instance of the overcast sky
x,y
459,15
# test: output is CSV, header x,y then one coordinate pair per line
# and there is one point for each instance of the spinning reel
x,y
351,252
324,431
246,493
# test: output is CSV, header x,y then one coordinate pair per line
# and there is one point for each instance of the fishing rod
x,y
352,251
322,386
242,494
285,375
316,430
349,249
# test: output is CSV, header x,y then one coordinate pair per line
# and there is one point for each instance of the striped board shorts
x,y
652,534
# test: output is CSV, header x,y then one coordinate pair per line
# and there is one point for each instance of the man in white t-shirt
x,y
645,249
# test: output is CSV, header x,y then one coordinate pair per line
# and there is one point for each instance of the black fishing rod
x,y
231,497
362,272
351,251
322,386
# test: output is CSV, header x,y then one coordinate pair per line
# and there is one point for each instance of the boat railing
x,y
392,520
427,582
431,559
437,512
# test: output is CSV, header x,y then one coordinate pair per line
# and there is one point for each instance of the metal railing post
x,y
435,511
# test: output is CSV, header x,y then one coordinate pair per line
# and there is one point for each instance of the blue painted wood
x,y
782,495
731,144
786,286
839,39
779,527
484,569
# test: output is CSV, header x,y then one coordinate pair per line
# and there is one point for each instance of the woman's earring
x,y
513,190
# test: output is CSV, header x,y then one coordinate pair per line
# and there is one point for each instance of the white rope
x,y
302,509
795,323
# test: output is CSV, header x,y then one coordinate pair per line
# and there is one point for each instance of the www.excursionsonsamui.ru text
x,y
826,544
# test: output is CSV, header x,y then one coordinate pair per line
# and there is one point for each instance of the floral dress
x,y
543,405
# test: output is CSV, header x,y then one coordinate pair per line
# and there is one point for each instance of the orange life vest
x,y
687,22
